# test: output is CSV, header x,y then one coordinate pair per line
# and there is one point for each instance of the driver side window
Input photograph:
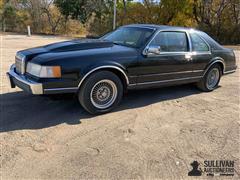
x,y
171,41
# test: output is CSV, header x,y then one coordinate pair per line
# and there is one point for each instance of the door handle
x,y
188,57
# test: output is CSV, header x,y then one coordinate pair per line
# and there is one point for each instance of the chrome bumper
x,y
24,83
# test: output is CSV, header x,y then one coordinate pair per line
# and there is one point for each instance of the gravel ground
x,y
152,134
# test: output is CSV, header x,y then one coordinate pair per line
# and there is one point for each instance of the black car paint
x,y
75,64
79,57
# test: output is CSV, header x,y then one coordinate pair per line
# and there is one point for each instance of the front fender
x,y
104,65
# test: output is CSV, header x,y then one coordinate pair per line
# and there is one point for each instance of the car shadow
x,y
20,111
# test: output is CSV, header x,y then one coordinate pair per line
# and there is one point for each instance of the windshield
x,y
130,36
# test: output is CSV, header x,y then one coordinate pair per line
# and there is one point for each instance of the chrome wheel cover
x,y
213,78
103,94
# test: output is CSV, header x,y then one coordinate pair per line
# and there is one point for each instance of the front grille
x,y
20,64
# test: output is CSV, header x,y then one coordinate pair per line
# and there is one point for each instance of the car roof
x,y
158,27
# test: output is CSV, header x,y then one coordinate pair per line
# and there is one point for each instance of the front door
x,y
172,63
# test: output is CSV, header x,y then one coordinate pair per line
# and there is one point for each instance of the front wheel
x,y
101,92
211,79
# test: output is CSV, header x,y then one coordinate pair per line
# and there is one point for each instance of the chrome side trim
x,y
104,67
181,53
61,89
231,71
198,71
171,80
201,53
221,61
159,74
35,87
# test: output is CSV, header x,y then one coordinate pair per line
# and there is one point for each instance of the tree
x,y
8,17
157,12
220,18
75,9
1,14
53,15
96,14
35,11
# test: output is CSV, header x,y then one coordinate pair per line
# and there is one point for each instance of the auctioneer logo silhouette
x,y
195,171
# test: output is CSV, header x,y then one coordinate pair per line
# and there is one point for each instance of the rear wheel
x,y
211,79
101,92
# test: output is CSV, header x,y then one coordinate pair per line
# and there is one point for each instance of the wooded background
x,y
219,18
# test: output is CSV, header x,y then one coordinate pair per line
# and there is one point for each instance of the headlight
x,y
44,71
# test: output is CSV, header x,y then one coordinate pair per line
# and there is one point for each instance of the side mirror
x,y
153,50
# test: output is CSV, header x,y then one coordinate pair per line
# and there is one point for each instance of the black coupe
x,y
131,57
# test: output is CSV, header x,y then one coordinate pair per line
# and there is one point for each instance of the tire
x,y
101,92
205,84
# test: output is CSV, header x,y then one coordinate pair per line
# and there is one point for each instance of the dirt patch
x,y
152,134
237,48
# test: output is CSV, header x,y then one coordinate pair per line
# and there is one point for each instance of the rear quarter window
x,y
198,44
214,44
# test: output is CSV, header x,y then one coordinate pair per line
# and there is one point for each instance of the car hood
x,y
78,44
67,46
79,50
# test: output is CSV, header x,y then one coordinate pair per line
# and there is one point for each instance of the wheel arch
x,y
112,68
219,61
